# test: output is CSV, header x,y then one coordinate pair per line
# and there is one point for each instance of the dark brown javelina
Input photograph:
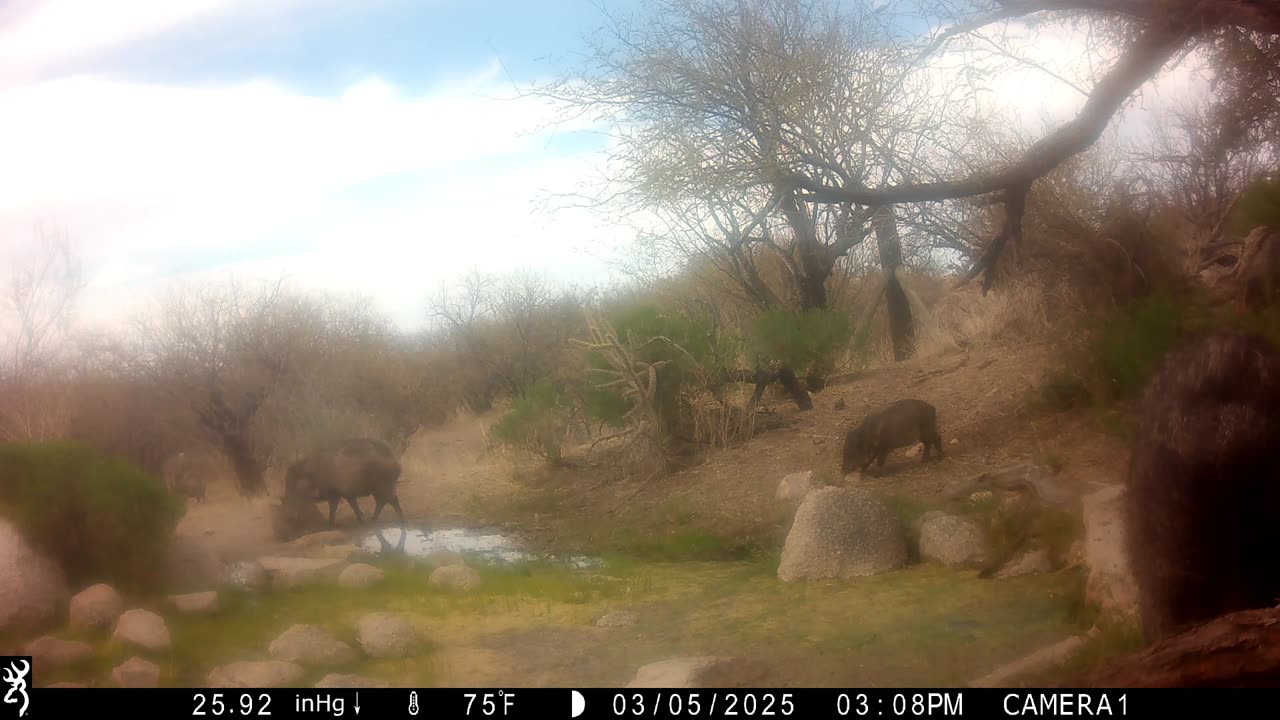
x,y
899,425
1204,496
355,468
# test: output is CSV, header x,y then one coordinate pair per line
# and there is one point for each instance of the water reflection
x,y
481,545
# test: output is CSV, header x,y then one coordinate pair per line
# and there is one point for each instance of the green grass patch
x,y
922,625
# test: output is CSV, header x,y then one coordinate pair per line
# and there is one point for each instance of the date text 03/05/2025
x,y
749,704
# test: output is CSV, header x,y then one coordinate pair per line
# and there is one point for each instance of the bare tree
x,y
213,347
713,101
39,303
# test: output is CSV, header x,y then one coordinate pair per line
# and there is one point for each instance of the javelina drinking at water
x,y
1203,496
185,477
901,424
355,468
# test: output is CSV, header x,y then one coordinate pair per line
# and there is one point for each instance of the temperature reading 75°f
x,y
491,703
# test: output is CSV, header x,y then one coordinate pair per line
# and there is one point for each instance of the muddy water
x,y
474,544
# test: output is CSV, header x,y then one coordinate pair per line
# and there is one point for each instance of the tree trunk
x,y
248,471
794,388
896,301
786,377
1237,650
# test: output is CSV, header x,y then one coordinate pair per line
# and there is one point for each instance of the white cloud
x,y
1058,68
38,33
384,191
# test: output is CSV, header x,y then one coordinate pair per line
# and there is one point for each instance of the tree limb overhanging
x,y
1169,26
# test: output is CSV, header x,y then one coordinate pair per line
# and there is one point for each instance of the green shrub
x,y
1133,340
1258,205
101,518
707,351
800,339
537,421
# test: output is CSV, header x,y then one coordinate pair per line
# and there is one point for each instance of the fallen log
x,y
1237,650
1029,475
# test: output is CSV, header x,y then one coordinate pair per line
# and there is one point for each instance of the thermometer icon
x,y
413,702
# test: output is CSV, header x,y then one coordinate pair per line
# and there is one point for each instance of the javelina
x,y
898,425
184,477
1203,494
355,468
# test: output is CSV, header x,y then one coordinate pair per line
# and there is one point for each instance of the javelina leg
x,y
355,508
333,511
377,509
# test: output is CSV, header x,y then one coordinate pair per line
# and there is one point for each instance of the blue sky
x,y
321,47
363,146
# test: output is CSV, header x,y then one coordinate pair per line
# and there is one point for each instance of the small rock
x,y
951,540
339,552
334,680
250,576
839,404
455,577
387,635
309,645
51,652
1031,562
136,673
196,603
617,618
33,588
255,674
190,565
699,672
289,572
143,628
842,533
1110,585
954,441
795,485
359,576
97,606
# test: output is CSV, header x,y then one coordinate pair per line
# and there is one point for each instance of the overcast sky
x,y
368,145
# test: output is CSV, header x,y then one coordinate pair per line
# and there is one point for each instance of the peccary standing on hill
x,y
1204,496
355,468
903,423
185,477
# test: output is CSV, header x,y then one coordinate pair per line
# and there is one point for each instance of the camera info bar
x,y
538,703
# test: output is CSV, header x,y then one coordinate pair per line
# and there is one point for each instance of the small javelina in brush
x,y
899,425
1203,497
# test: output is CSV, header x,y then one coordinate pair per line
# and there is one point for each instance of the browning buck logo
x,y
16,672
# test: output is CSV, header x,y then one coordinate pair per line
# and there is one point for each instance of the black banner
x,y
590,704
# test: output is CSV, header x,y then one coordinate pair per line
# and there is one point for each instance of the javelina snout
x,y
899,425
356,468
